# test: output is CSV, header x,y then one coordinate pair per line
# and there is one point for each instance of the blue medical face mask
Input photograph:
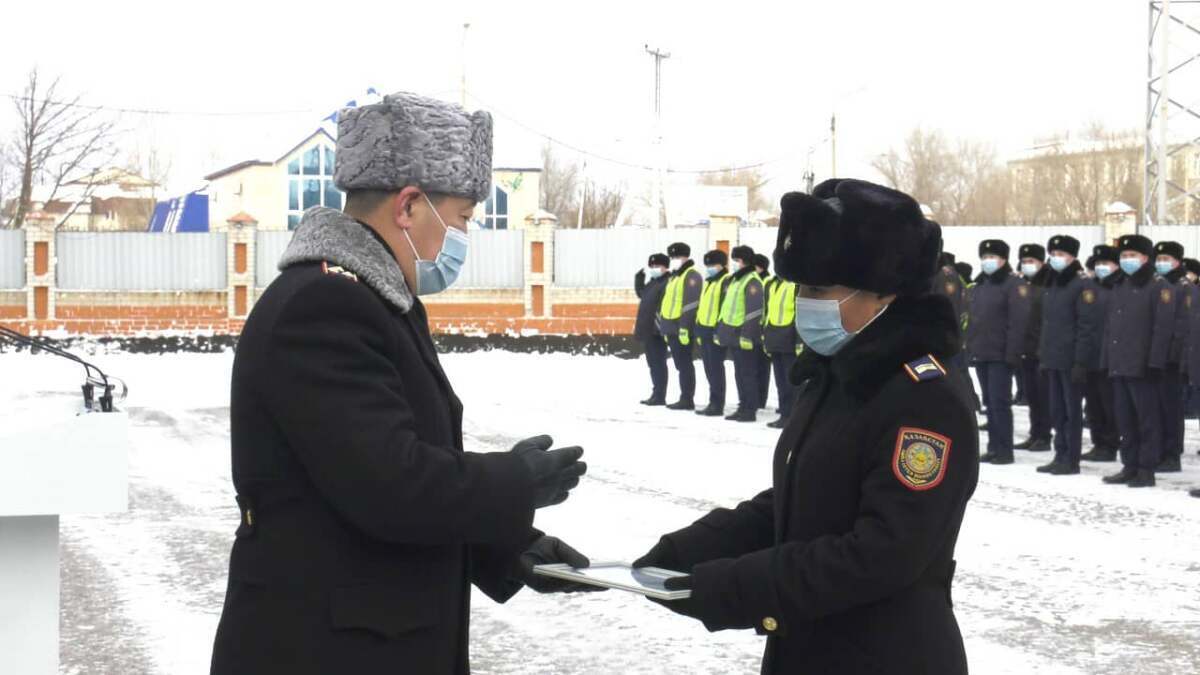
x,y
989,266
1059,263
655,272
1130,265
819,323
713,272
1030,270
1164,267
735,266
1102,271
435,276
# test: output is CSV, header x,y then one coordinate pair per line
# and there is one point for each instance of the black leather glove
x,y
549,551
1079,374
555,472
662,556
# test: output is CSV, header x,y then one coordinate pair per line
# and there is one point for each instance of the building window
x,y
495,210
310,183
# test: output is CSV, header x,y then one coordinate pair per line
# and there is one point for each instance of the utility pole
x,y
660,158
1172,131
833,145
463,81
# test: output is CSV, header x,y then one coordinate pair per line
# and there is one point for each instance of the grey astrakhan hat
x,y
413,140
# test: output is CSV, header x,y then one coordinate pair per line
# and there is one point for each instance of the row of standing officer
x,y
1117,338
732,310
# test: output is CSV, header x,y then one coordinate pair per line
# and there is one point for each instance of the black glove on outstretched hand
x,y
555,472
661,556
548,551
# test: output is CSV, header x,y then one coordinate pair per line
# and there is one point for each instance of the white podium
x,y
55,458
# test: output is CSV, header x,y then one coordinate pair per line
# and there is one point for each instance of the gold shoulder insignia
x,y
338,270
920,459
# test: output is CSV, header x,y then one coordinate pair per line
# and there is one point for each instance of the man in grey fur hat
x,y
364,520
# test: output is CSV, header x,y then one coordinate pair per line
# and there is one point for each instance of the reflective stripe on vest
x,y
781,305
710,302
733,310
672,308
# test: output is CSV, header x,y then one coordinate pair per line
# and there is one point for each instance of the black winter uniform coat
x,y
1141,322
846,562
650,294
1191,360
1038,286
1179,332
1065,336
1096,296
364,522
948,283
999,309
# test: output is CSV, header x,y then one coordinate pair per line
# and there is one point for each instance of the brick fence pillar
x,y
40,269
240,238
539,263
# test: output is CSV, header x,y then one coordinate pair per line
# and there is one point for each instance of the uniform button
x,y
770,624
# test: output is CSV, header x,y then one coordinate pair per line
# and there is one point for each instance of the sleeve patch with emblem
x,y
1166,296
1023,290
1089,296
921,458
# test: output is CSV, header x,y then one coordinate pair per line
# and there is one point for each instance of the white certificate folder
x,y
648,581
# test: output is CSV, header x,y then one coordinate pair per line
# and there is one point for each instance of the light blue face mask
x,y
713,272
1030,270
435,276
1102,271
1130,266
654,272
819,323
1163,268
989,266
1059,263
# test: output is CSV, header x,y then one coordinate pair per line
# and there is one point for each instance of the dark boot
x,y
1121,477
743,416
711,411
1048,468
1002,459
1169,465
778,424
1040,445
1100,454
1195,493
1064,470
1144,478
987,457
682,405
655,400
1023,445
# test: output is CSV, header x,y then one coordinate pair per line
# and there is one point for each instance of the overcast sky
x,y
746,82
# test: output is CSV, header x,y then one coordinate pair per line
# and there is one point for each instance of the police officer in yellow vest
x,y
781,341
677,319
740,331
716,285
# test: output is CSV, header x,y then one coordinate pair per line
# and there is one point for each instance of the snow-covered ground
x,y
1055,574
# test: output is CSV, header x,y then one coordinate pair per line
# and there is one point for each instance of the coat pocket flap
x,y
384,609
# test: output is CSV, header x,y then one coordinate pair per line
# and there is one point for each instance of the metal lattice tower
x,y
1172,141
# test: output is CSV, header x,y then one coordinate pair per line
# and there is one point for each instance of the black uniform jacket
x,y
364,522
1177,279
999,309
1038,287
650,295
1065,335
846,563
1096,295
1141,323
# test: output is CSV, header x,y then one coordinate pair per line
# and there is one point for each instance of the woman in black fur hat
x,y
845,564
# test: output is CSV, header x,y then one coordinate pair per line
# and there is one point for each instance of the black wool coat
x,y
364,522
1141,323
999,310
1096,295
1038,286
1177,279
650,295
1065,335
846,562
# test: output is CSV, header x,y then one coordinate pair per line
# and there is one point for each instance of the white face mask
x,y
735,266
676,264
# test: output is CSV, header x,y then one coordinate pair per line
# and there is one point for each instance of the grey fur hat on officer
x,y
857,234
413,140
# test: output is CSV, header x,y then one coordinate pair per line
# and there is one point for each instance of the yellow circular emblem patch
x,y
1089,296
1023,290
1166,296
920,460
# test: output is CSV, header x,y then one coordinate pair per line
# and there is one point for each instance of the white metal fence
x,y
141,261
610,258
12,259
496,259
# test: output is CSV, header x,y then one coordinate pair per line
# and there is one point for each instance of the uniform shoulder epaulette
x,y
925,368
339,270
